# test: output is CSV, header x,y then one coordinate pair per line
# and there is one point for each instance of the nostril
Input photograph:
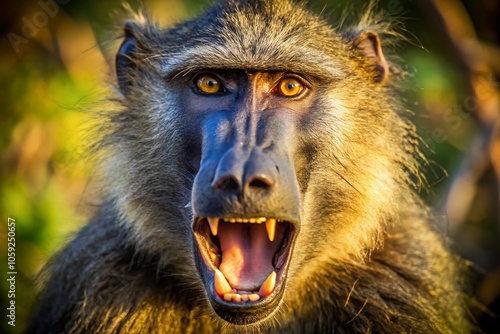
x,y
261,182
227,183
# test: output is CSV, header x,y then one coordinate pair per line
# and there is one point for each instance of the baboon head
x,y
254,142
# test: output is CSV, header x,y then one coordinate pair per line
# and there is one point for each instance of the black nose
x,y
243,173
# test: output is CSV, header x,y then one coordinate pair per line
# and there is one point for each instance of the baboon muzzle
x,y
245,169
245,203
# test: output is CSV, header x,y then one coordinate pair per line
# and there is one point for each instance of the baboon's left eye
x,y
209,84
289,87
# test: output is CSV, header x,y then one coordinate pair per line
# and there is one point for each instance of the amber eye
x,y
290,87
209,84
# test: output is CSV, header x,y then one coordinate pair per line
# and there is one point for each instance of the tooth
x,y
214,224
252,220
262,219
237,297
268,286
232,220
271,228
244,298
221,285
253,297
227,296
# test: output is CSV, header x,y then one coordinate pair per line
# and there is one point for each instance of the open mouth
x,y
248,256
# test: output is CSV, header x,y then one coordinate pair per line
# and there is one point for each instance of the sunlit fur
x,y
368,259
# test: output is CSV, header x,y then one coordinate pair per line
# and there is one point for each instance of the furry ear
x,y
369,44
126,57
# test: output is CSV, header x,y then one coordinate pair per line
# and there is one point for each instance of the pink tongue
x,y
247,254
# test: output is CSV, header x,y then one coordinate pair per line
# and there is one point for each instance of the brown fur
x,y
368,258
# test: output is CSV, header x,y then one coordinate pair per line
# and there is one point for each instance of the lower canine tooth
x,y
268,286
221,285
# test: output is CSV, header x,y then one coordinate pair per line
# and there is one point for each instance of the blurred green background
x,y
55,61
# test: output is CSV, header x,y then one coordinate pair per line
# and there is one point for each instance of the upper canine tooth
x,y
271,228
214,224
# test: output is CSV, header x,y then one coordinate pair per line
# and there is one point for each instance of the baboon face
x,y
245,195
260,101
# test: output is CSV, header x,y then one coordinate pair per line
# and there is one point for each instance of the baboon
x,y
259,176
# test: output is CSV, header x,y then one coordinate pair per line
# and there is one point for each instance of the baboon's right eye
x,y
209,84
